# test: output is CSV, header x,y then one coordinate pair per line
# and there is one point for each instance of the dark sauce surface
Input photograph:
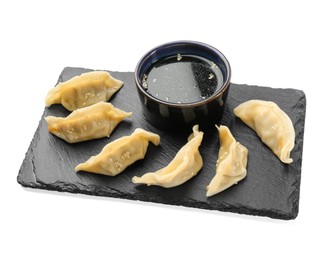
x,y
182,79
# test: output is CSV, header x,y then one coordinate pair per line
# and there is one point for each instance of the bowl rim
x,y
215,95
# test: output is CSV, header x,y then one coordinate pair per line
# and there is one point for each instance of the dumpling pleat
x,y
185,165
271,124
116,156
231,163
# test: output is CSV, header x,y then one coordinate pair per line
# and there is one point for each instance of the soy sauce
x,y
182,79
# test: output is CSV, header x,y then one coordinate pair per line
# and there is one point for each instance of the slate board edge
x,y
296,194
102,192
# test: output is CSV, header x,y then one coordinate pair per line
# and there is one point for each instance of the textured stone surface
x,y
270,189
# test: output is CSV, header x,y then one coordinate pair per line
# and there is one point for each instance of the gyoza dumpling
x,y
231,163
184,166
84,90
121,153
271,124
96,121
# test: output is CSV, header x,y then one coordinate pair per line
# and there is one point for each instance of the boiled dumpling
x,y
184,166
231,163
271,124
84,90
121,153
96,121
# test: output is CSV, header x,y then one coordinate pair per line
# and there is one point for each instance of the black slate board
x,y
270,189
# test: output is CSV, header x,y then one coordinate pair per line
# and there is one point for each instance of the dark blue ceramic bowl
x,y
167,115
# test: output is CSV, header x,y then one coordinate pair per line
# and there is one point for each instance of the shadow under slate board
x,y
270,189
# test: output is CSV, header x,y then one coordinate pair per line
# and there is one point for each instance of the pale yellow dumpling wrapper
x,y
184,166
231,163
96,121
83,90
116,156
271,124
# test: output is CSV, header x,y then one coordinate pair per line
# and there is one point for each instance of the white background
x,y
274,43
